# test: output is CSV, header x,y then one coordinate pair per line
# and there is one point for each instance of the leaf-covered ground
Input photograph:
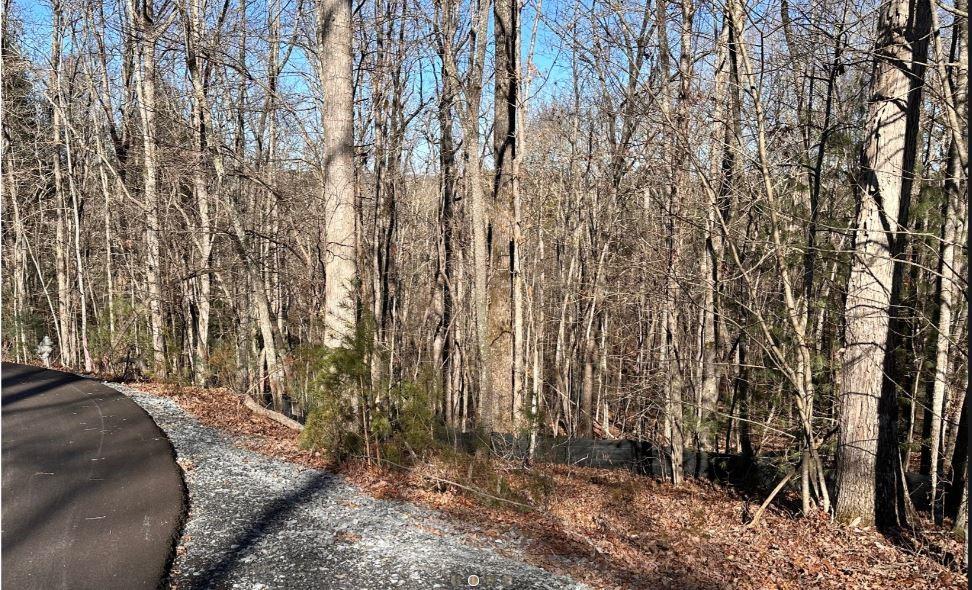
x,y
614,529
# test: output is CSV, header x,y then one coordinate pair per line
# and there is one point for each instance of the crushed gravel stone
x,y
258,523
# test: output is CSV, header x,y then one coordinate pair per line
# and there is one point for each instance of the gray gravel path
x,y
258,523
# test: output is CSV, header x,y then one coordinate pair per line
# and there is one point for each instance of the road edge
x,y
165,579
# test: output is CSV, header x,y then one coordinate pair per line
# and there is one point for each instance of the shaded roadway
x,y
91,494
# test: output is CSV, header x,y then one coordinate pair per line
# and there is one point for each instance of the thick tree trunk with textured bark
x,y
884,192
334,64
500,234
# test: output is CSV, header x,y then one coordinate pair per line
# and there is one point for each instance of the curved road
x,y
92,496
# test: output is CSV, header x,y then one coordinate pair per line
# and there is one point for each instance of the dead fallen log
x,y
275,416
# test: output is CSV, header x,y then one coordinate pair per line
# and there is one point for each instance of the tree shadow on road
x,y
90,484
42,381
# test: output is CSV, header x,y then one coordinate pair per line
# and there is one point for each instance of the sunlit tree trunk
x,y
143,27
65,318
471,86
195,31
18,257
882,215
954,213
334,64
668,357
78,261
501,245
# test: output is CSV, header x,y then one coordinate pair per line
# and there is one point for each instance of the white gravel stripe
x,y
257,523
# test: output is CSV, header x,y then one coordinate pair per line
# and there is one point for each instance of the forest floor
x,y
612,528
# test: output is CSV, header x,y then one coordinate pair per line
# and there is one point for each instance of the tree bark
x,y
195,29
500,233
668,357
334,64
143,27
445,349
953,214
472,88
65,318
869,411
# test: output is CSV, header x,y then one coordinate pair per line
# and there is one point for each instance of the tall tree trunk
x,y
954,212
79,275
521,93
109,251
472,89
389,121
143,27
668,357
500,232
195,66
65,318
334,63
19,257
945,290
869,411
446,351
725,139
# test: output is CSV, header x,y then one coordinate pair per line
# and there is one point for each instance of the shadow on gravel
x,y
261,526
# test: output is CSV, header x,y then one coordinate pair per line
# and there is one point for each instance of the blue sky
x,y
550,63
551,59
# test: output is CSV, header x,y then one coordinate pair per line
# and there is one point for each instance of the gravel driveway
x,y
258,523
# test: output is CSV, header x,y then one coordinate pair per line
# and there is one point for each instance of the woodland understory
x,y
724,225
610,528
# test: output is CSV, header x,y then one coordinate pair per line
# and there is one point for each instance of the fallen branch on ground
x,y
766,502
275,416
438,479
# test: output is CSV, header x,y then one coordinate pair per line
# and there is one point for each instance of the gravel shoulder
x,y
258,523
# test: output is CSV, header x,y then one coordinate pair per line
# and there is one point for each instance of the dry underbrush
x,y
614,529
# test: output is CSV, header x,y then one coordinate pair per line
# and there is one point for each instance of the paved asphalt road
x,y
92,496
